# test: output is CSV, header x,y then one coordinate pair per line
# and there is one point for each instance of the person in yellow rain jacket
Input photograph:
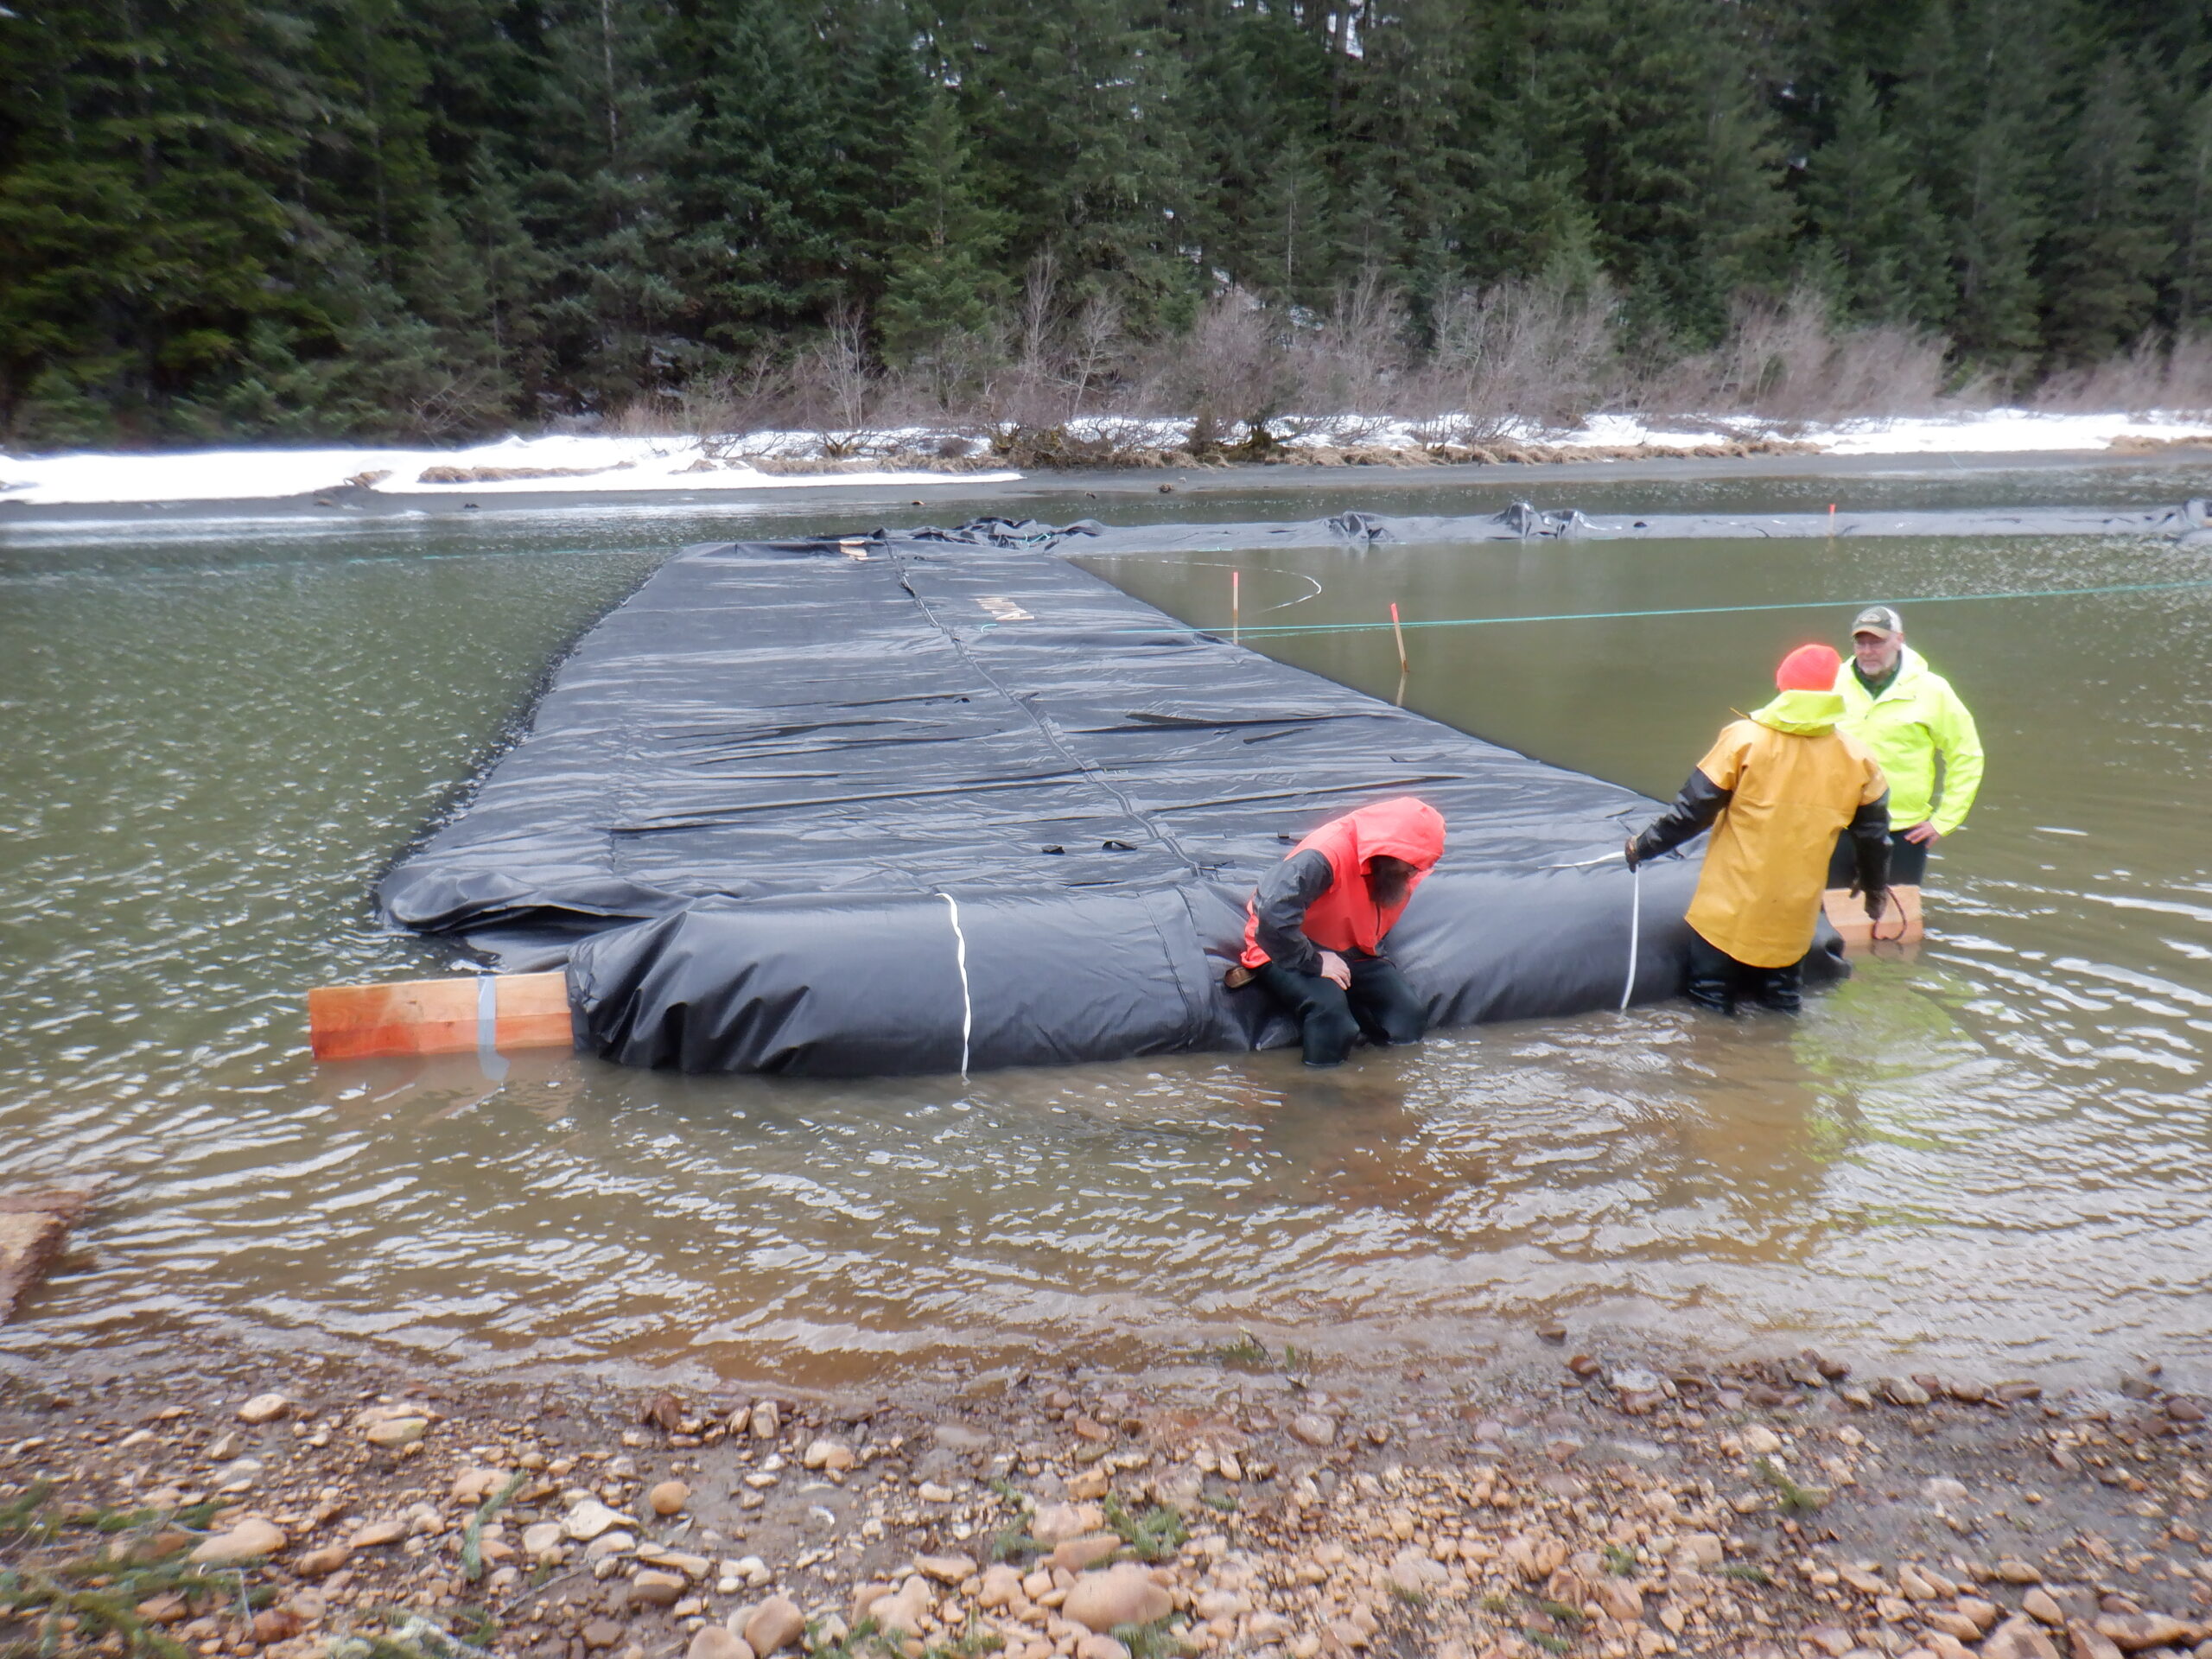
x,y
1907,714
1776,789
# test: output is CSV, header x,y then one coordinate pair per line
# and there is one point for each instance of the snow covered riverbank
x,y
565,464
600,466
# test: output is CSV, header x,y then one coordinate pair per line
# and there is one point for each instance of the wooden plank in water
x,y
1900,924
439,1016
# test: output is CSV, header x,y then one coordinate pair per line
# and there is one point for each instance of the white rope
x,y
966,1001
1635,929
1635,912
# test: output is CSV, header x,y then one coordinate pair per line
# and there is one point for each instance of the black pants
x,y
1717,979
1380,1004
1908,862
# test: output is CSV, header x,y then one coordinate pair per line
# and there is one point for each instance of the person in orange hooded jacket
x,y
1775,789
1313,930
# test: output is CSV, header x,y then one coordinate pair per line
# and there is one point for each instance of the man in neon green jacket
x,y
1908,715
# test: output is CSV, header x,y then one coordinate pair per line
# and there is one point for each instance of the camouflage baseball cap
x,y
1878,618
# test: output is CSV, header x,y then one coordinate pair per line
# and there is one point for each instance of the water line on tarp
x,y
1282,629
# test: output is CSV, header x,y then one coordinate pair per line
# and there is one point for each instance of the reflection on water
x,y
1993,1152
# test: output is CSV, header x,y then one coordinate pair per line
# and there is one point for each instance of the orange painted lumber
x,y
1900,924
438,1016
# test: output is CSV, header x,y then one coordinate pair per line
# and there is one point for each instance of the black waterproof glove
x,y
1877,900
1695,810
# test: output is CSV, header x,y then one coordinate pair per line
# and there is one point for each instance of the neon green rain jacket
x,y
1917,718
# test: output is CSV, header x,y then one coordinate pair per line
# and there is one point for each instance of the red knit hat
x,y
1809,668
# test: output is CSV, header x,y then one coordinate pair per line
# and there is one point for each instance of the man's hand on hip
x,y
1336,970
1924,834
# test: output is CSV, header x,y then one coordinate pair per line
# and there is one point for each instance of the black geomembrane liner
x,y
768,805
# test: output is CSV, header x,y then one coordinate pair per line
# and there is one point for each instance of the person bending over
x,y
1313,930
1776,789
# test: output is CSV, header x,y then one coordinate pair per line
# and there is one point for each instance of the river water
x,y
1993,1156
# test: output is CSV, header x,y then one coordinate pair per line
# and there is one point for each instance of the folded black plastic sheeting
x,y
2190,524
926,803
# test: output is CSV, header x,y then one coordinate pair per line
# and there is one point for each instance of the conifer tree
x,y
1256,91
601,196
1872,217
1294,240
2187,211
375,178
756,151
889,75
439,216
1079,114
942,286
514,271
1525,206
2105,249
1678,161
1410,118
1975,103
147,213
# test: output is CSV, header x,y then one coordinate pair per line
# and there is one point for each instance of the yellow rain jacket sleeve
x,y
1794,783
1916,718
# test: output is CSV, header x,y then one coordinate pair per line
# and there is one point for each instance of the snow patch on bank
x,y
1993,431
599,465
567,464
2001,431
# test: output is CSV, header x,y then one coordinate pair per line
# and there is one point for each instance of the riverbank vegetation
x,y
357,218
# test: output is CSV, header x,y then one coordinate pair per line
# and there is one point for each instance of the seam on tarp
x,y
1046,727
723,815
626,805
1170,956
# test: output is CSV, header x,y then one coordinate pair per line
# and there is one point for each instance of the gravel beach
x,y
1596,1504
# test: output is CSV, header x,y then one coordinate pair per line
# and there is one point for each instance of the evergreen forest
x,y
437,218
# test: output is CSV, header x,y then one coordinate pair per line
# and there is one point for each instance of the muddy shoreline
x,y
962,496
1610,1503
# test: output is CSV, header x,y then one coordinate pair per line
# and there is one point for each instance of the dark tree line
x,y
439,217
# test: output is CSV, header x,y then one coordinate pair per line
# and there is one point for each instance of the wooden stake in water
x,y
1831,518
1398,630
1236,581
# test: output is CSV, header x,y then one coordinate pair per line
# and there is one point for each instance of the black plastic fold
x,y
1522,521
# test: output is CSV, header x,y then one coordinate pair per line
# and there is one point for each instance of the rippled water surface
x,y
1997,1153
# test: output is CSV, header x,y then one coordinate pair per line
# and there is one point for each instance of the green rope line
x,y
1282,628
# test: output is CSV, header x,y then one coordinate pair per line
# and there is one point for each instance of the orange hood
x,y
1346,917
1407,828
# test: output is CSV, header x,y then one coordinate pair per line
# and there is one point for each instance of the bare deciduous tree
x,y
2165,374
